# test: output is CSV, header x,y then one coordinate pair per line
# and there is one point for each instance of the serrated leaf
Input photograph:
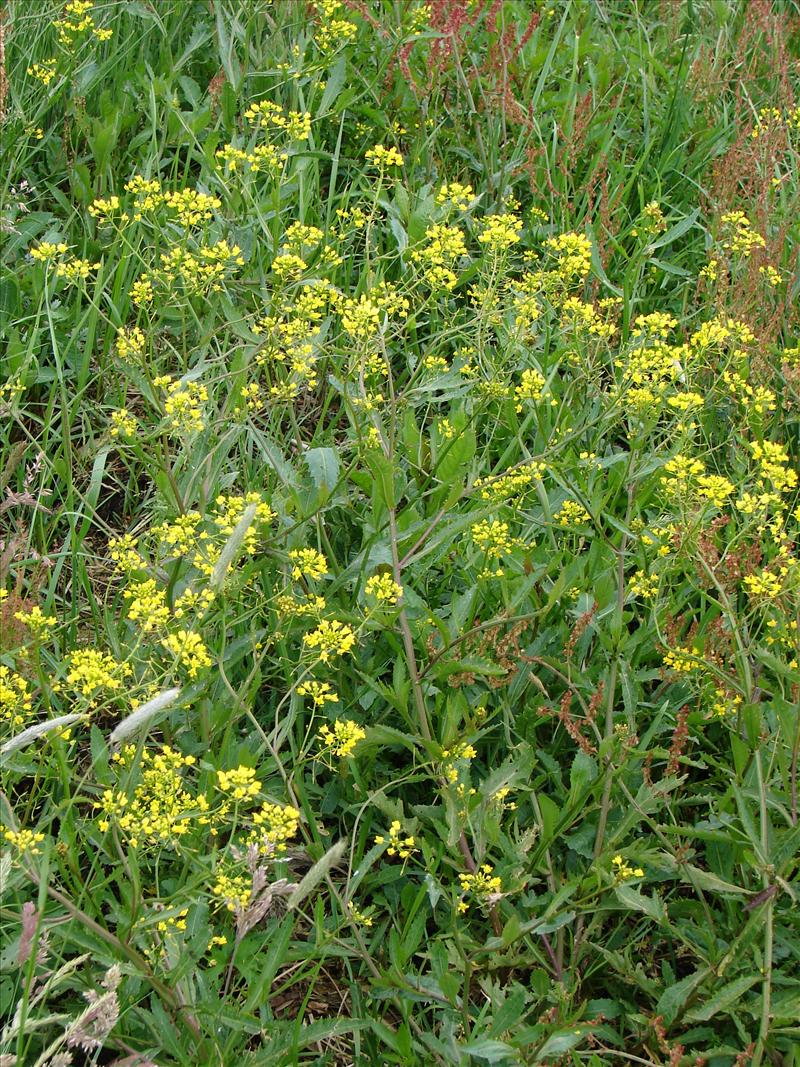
x,y
636,901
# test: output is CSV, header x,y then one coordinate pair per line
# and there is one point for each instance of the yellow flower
x,y
741,237
37,622
530,387
161,808
624,871
130,341
46,251
23,840
16,703
43,72
275,824
764,585
682,659
484,885
342,739
456,195
91,671
123,424
644,585
384,157
494,538
147,605
189,650
398,845
320,693
359,917
384,588
571,513
183,406
500,232
332,638
232,890
241,782
309,563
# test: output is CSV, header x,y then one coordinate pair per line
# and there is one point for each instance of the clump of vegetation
x,y
399,591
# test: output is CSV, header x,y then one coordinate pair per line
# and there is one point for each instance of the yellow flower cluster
x,y
296,125
454,194
493,538
531,385
46,251
123,551
76,20
342,738
383,588
623,871
24,841
104,207
183,404
773,461
383,156
233,890
202,271
308,563
96,674
228,510
240,782
765,585
740,237
511,485
455,759
768,118
147,605
682,659
644,585
191,207
75,270
574,254
725,704
332,638
160,809
583,318
571,513
320,693
484,885
500,232
652,221
130,341
444,246
122,424
43,72
16,703
333,30
189,650
36,621
274,826
398,845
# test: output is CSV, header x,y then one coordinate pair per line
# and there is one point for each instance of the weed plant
x,y
399,591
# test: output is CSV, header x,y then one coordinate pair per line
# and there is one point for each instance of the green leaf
x,y
489,1050
636,901
727,996
323,466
